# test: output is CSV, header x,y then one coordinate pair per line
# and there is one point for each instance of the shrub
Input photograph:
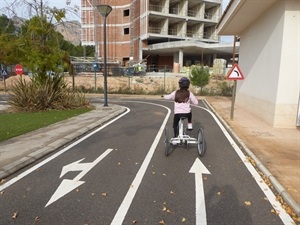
x,y
224,88
44,93
199,76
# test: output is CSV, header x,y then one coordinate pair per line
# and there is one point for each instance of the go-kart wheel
x,y
167,143
201,142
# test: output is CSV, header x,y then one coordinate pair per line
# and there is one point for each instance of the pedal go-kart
x,y
184,140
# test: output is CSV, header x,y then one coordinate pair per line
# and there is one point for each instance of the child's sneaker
x,y
190,126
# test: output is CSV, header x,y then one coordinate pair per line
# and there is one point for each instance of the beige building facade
x,y
157,32
269,57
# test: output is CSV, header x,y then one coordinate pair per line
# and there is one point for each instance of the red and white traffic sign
x,y
235,73
19,69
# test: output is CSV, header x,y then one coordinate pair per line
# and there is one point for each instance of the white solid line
x,y
123,209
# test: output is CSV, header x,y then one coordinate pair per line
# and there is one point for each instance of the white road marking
x,y
123,209
285,218
198,169
68,185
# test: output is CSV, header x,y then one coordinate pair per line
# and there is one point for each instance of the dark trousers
x,y
176,121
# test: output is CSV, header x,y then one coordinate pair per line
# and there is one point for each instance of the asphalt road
x,y
120,175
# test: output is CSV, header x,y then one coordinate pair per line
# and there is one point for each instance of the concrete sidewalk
x,y
275,151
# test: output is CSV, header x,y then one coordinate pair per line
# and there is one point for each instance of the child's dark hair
x,y
182,95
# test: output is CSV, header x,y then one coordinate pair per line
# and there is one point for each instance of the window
x,y
126,30
126,12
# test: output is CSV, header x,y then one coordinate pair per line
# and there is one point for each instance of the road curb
x,y
278,187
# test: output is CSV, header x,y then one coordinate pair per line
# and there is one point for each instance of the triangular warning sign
x,y
235,73
4,73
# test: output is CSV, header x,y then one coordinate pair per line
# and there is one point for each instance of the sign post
x,y
19,69
234,74
4,75
95,65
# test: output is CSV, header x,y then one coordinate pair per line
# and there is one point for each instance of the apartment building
x,y
158,32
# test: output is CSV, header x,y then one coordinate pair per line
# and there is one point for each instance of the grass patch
x,y
15,124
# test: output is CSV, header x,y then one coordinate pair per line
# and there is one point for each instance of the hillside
x,y
69,29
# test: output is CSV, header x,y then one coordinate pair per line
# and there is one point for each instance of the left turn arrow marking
x,y
68,185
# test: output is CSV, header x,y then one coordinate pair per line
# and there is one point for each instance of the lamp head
x,y
104,10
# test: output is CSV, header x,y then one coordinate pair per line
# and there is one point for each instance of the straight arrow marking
x,y
198,169
68,185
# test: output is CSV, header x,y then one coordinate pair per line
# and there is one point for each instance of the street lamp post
x,y
104,10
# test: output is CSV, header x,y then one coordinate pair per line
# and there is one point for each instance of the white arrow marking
x,y
69,185
75,166
198,169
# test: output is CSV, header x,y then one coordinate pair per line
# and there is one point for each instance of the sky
x,y
73,3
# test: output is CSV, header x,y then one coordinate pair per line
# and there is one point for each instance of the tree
x,y
40,51
6,25
199,76
38,47
7,40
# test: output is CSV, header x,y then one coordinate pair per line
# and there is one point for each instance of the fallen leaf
x,y
162,222
274,211
296,218
247,203
169,211
165,209
15,215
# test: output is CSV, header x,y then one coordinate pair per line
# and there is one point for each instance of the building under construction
x,y
160,33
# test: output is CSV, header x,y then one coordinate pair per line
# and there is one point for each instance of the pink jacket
x,y
184,107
